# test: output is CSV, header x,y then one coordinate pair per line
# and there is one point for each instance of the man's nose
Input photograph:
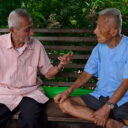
x,y
95,30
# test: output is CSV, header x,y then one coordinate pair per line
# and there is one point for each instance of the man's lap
x,y
27,104
118,113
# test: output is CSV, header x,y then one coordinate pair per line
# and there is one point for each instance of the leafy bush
x,y
63,13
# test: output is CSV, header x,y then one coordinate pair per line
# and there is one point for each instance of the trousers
x,y
32,114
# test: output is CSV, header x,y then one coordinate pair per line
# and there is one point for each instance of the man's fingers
x,y
57,99
62,100
99,122
65,57
92,115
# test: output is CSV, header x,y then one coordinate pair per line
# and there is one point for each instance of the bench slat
x,y
61,84
65,74
74,48
67,39
75,66
64,30
55,56
56,30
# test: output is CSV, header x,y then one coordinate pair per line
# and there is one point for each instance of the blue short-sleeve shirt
x,y
110,65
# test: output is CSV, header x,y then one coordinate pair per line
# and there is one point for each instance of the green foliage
x,y
6,6
63,13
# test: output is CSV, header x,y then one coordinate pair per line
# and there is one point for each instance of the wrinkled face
x,y
104,29
24,31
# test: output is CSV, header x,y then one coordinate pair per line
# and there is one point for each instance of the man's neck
x,y
15,43
113,42
18,45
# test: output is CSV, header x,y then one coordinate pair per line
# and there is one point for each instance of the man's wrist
x,y
60,67
110,105
70,90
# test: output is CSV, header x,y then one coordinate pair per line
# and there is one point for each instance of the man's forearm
x,y
81,80
53,71
119,92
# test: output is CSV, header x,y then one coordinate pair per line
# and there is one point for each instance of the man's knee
x,y
65,105
33,118
71,102
5,114
31,109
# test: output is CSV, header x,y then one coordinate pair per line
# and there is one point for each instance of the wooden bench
x,y
60,41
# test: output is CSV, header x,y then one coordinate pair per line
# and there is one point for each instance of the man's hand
x,y
65,59
54,70
61,97
101,116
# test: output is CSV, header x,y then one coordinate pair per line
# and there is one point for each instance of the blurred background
x,y
63,13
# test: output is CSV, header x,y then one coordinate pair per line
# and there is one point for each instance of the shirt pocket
x,y
119,69
32,75
120,64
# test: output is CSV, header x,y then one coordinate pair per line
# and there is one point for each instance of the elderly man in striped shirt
x,y
21,56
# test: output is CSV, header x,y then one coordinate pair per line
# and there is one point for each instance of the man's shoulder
x,y
125,38
35,44
100,46
5,36
4,39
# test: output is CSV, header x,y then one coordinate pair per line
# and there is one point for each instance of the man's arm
x,y
101,116
54,70
82,79
119,92
90,69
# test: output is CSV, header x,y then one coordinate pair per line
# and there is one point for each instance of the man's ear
x,y
12,30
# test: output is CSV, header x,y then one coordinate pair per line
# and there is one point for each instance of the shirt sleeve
x,y
44,62
92,64
125,73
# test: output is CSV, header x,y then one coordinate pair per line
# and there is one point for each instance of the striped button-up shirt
x,y
18,71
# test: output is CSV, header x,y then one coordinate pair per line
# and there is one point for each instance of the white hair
x,y
114,14
15,17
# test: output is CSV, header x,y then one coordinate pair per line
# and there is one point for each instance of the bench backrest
x,y
60,41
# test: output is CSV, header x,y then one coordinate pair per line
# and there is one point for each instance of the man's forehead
x,y
25,20
106,19
103,17
28,26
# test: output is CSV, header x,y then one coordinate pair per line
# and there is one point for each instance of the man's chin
x,y
100,41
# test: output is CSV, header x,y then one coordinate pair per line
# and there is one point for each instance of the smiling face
x,y
105,29
24,31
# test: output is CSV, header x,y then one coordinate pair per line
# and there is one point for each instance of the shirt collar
x,y
8,41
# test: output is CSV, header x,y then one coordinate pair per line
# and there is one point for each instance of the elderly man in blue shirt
x,y
107,105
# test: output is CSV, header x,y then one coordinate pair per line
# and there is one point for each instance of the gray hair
x,y
15,17
114,14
